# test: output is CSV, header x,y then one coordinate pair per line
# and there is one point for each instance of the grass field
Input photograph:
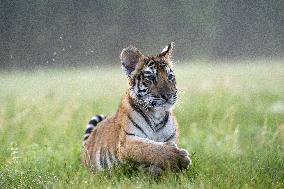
x,y
231,120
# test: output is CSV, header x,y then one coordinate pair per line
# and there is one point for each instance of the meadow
x,y
231,120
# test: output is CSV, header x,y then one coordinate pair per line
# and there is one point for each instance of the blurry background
x,y
55,75
87,32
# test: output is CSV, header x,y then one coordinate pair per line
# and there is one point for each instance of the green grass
x,y
225,112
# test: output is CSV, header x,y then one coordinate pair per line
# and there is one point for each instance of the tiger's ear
x,y
167,51
130,58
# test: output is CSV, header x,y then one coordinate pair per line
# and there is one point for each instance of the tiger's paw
x,y
178,158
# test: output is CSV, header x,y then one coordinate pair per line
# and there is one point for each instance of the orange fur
x,y
110,140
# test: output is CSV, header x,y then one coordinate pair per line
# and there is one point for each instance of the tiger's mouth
x,y
154,101
163,103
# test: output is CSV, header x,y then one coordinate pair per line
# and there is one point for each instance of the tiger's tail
x,y
91,125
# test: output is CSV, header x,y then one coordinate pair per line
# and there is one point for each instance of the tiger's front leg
x,y
162,154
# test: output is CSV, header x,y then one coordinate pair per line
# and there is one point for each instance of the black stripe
x,y
136,125
105,160
150,63
163,122
131,134
89,130
100,118
170,137
144,116
102,158
96,120
138,109
93,122
138,83
86,137
110,156
147,72
142,90
116,157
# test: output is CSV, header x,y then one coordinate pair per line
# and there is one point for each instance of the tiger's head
x,y
151,78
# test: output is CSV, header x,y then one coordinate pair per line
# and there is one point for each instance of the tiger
x,y
144,129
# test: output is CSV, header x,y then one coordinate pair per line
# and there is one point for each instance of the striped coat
x,y
144,129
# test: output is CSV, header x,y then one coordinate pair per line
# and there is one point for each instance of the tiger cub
x,y
144,128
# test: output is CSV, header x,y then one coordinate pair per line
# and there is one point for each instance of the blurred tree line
x,y
71,32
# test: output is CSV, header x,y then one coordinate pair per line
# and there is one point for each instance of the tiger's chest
x,y
159,130
164,134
